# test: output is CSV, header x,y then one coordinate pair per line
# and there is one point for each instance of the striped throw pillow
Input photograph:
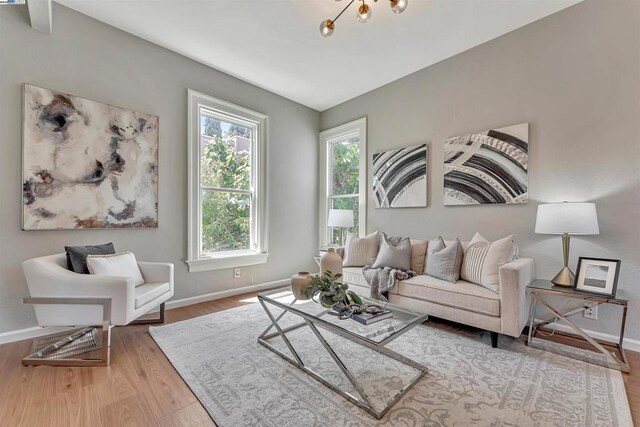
x,y
360,251
483,259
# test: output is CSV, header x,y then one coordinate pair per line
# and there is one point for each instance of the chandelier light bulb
x,y
398,6
364,13
327,27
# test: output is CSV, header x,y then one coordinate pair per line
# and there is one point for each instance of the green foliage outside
x,y
226,216
345,161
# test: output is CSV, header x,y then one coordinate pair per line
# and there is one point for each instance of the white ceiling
x,y
275,44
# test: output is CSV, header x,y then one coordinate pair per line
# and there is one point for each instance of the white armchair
x,y
64,298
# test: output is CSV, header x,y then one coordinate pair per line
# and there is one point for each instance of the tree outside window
x,y
225,180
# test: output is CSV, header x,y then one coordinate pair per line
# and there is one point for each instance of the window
x,y
227,185
343,183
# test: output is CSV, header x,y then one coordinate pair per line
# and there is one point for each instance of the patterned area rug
x,y
241,383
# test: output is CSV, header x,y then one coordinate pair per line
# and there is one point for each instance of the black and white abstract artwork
x,y
400,177
490,167
87,164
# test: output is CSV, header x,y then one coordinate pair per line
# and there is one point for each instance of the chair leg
x,y
494,339
152,320
60,351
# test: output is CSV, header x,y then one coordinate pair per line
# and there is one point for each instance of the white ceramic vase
x,y
299,282
331,261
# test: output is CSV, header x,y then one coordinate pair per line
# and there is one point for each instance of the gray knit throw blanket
x,y
383,279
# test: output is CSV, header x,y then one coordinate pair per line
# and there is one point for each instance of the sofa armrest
x,y
515,276
156,272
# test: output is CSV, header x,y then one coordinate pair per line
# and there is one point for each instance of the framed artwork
x,y
87,164
490,167
400,177
597,276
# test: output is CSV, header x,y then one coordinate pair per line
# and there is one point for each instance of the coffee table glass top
x,y
378,333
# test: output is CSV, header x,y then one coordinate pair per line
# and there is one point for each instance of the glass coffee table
x,y
375,336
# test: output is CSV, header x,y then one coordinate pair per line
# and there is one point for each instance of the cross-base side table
x,y
540,289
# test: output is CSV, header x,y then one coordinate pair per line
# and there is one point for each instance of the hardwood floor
x,y
139,388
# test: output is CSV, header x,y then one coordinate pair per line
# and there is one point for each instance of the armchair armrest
x,y
156,272
46,280
515,276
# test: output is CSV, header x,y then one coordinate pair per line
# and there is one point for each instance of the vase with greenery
x,y
327,290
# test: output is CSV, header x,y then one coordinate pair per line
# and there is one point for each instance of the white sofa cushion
x,y
462,295
149,292
122,264
360,251
483,259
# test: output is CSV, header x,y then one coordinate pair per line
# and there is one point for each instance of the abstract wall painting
x,y
87,164
490,167
400,177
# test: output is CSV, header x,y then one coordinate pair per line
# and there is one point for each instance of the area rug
x,y
241,383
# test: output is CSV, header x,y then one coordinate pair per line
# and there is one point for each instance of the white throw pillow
x,y
483,259
122,264
361,251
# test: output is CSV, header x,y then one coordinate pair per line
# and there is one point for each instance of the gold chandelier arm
x,y
345,8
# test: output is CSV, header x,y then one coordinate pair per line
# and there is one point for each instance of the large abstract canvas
x,y
489,167
400,177
87,164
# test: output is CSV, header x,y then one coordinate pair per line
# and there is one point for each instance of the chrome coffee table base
x,y
361,399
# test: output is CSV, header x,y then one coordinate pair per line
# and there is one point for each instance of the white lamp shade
x,y
566,217
340,218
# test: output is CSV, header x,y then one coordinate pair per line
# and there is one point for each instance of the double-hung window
x,y
227,184
343,178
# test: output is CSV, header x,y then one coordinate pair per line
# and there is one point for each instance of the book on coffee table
x,y
368,318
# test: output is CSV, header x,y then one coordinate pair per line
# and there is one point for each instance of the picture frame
x,y
597,276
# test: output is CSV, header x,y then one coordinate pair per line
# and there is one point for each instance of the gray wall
x,y
87,58
575,77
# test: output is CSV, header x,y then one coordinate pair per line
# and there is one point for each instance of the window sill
x,y
227,261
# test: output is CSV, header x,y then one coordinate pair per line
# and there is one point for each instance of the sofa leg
x,y
494,339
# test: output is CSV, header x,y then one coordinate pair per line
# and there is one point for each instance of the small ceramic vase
x,y
331,261
299,282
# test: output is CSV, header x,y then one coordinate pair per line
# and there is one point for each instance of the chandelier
x,y
363,14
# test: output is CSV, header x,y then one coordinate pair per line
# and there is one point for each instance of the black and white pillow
x,y
77,255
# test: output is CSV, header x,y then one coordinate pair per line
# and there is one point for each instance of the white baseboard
x,y
224,294
33,332
37,331
628,343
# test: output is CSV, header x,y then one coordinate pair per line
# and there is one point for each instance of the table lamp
x,y
341,218
567,218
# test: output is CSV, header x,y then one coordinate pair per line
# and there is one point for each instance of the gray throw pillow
x,y
77,255
444,262
394,252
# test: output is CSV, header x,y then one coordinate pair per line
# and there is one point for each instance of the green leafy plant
x,y
326,290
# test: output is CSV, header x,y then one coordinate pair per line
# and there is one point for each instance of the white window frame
x,y
258,122
355,127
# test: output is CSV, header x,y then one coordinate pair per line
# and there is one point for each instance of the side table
x,y
541,288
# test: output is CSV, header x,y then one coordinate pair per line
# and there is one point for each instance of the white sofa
x,y
503,312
